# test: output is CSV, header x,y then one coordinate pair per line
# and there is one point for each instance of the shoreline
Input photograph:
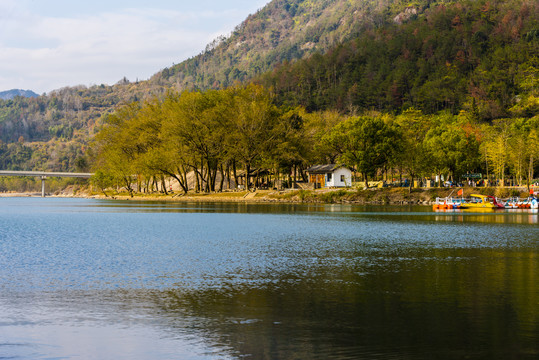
x,y
374,196
19,194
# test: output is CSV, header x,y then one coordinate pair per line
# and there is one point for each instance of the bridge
x,y
44,175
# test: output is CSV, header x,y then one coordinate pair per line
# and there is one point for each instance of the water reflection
x,y
125,280
507,216
392,212
406,306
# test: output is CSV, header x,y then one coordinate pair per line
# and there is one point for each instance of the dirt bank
x,y
390,196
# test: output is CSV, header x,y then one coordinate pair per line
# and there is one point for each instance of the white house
x,y
330,175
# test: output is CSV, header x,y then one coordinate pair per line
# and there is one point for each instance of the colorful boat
x,y
529,203
511,203
449,203
483,202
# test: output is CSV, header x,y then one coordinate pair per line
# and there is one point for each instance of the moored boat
x,y
511,203
449,203
483,202
529,203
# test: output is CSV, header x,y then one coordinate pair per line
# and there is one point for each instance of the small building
x,y
330,175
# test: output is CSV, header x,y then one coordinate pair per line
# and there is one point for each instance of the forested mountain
x,y
284,30
10,94
479,56
350,56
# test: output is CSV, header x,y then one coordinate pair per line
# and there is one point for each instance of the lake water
x,y
90,279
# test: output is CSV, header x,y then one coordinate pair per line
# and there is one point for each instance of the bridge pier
x,y
43,186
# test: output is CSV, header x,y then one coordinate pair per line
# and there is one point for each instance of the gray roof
x,y
323,169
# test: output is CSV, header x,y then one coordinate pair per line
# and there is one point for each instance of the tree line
x,y
218,136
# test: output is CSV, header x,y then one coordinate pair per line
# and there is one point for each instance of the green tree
x,y
368,143
115,151
496,147
413,127
452,146
254,129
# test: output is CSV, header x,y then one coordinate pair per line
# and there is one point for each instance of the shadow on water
x,y
409,306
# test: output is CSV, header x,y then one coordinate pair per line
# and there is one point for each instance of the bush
x,y
515,192
333,196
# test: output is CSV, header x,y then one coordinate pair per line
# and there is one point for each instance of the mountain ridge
x,y
10,94
282,31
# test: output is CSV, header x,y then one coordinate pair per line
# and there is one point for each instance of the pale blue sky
x,y
49,44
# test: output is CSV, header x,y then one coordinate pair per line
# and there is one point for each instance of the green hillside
x,y
478,56
436,89
283,31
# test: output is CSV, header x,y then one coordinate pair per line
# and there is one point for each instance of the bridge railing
x,y
45,173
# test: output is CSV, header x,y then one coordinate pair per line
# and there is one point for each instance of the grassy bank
x,y
389,196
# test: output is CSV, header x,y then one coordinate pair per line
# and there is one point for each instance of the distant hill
x,y
10,94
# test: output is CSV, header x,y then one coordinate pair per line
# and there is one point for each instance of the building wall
x,y
341,177
318,179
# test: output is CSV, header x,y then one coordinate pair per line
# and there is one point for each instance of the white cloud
x,y
43,53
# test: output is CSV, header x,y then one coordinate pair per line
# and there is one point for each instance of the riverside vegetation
x,y
211,134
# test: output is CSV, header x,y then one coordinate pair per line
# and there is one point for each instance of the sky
x,y
49,44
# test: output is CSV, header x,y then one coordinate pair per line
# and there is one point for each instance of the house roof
x,y
324,169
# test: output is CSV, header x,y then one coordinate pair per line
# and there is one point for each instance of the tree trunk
x,y
234,170
290,177
303,174
214,178
228,174
197,181
181,178
222,182
209,179
530,172
128,185
155,187
366,179
247,171
164,185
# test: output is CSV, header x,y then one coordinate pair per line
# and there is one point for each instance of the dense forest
x,y
452,85
51,132
478,56
214,133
